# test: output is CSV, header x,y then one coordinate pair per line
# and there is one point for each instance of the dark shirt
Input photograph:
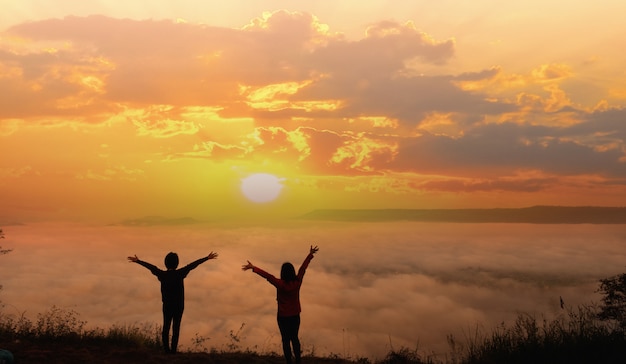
x,y
172,287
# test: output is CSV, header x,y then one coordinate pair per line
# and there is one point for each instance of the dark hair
x,y
171,260
288,272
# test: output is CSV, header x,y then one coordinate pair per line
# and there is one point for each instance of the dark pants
x,y
171,315
289,326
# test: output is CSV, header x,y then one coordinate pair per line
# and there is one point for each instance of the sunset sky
x,y
114,110
115,113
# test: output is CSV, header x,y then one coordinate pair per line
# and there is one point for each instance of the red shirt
x,y
287,293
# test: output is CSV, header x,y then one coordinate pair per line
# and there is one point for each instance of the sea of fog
x,y
371,287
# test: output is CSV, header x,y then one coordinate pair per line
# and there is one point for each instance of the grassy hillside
x,y
576,336
58,336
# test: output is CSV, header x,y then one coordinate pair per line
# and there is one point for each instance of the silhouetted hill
x,y
532,215
156,221
6,222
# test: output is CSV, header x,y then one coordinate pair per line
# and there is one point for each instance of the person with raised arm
x,y
172,293
288,297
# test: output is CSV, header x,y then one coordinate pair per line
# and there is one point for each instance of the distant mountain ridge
x,y
156,221
532,215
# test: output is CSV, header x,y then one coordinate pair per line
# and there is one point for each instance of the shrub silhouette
x,y
3,251
575,337
613,306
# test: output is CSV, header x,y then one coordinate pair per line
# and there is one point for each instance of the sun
x,y
261,187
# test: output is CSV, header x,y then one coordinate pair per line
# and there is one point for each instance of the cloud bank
x,y
370,286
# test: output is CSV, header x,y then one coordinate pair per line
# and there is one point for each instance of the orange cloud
x,y
119,172
364,154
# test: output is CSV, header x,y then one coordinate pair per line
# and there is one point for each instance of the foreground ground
x,y
97,353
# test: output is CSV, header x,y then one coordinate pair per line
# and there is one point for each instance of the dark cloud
x,y
479,76
606,126
503,149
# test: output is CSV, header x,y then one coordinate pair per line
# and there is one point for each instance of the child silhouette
x,y
172,293
288,297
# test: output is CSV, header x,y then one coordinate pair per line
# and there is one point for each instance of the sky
x,y
117,110
371,287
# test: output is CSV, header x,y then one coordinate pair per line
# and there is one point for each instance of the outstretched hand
x,y
212,255
314,249
247,266
133,259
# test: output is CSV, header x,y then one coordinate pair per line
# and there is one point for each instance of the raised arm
x,y
195,264
306,262
150,267
273,280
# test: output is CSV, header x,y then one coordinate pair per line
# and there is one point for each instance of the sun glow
x,y
261,187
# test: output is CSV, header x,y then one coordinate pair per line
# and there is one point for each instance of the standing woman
x,y
288,297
